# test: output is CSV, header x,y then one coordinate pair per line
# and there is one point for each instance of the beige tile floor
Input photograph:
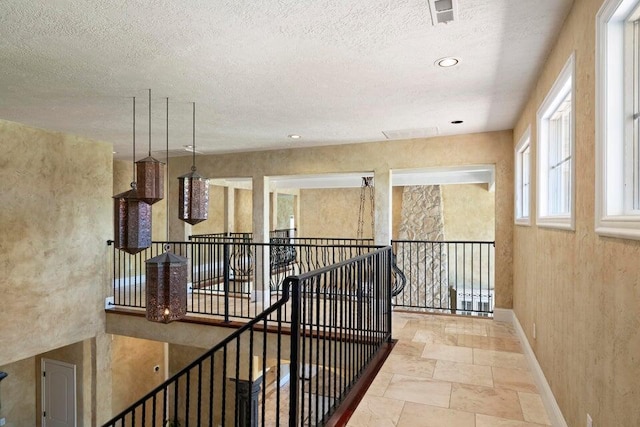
x,y
452,371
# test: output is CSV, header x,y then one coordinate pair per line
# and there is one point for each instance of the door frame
x,y
44,389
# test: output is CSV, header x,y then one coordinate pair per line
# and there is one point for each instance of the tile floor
x,y
452,371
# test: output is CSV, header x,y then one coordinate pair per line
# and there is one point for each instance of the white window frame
x,y
524,145
482,305
617,136
564,84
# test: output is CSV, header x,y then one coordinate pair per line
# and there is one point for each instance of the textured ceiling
x,y
333,71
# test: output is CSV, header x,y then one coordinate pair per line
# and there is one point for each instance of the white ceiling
x,y
333,71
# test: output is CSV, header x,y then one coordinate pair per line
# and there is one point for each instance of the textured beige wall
x,y
581,290
56,217
243,210
285,210
18,393
471,149
181,355
134,359
332,213
469,212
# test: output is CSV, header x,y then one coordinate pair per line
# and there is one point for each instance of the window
x,y
484,308
465,305
617,119
523,178
555,159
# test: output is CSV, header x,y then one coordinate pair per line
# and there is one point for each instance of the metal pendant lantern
x,y
193,190
166,278
132,216
132,222
194,198
150,174
166,287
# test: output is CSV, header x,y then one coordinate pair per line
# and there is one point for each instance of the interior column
x,y
260,195
274,210
229,209
383,209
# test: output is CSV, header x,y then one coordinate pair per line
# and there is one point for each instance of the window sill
x,y
526,222
621,229
560,223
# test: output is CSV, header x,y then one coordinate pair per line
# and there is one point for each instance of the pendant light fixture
x,y
150,174
132,216
166,275
194,190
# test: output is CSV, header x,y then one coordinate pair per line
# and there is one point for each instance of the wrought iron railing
x,y
451,276
212,236
341,319
277,233
228,276
447,276
283,232
268,374
321,241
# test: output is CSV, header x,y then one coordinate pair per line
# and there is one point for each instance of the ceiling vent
x,y
411,133
443,11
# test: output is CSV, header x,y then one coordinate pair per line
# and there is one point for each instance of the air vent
x,y
411,133
443,11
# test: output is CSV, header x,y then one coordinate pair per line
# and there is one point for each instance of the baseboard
x,y
551,405
503,315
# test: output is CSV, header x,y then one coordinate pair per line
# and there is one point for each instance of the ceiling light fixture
x,y
166,287
294,136
193,189
150,173
447,62
132,216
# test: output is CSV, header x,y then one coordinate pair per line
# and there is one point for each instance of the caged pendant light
x,y
132,216
150,174
166,276
194,190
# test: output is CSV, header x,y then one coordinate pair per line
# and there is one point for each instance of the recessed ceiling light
x,y
447,62
115,152
457,122
294,136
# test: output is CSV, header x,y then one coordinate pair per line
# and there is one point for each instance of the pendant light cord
x,y
133,182
149,122
193,166
167,213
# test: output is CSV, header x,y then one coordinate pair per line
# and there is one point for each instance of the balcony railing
x,y
277,233
228,276
267,373
446,276
450,276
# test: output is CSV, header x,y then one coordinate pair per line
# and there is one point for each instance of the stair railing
x,y
340,318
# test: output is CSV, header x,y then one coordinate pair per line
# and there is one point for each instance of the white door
x,y
58,394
